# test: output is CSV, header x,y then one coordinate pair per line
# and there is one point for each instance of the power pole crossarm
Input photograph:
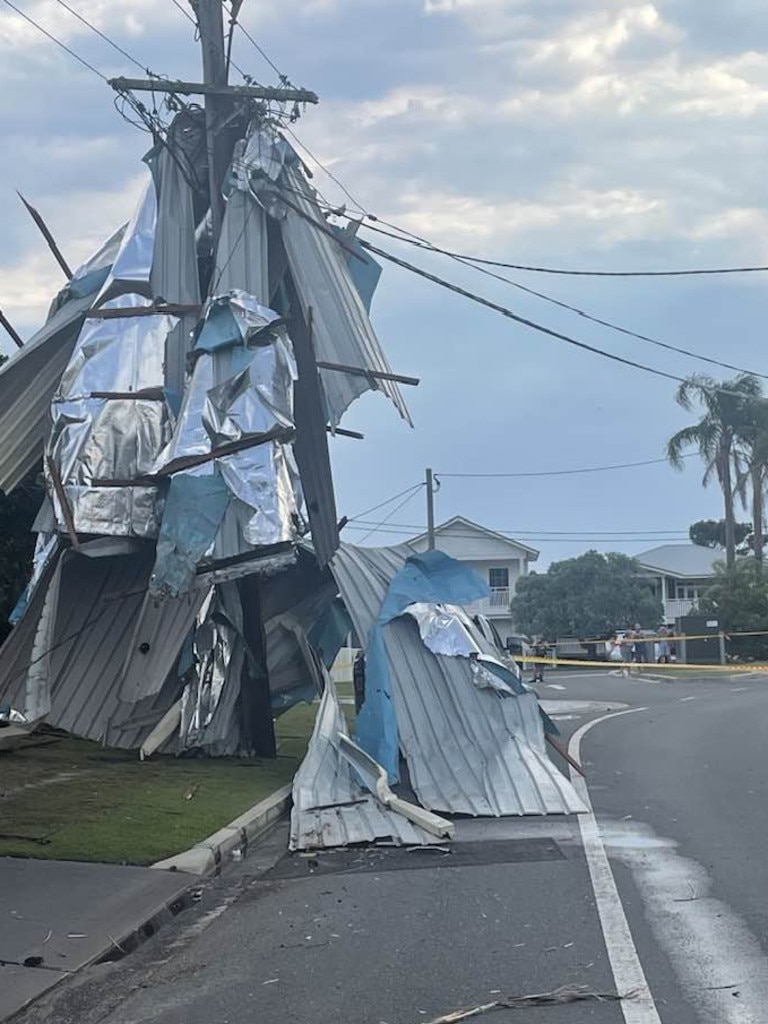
x,y
256,92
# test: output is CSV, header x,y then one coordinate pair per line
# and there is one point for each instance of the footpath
x,y
67,808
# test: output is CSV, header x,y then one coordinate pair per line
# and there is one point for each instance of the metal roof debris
x,y
181,393
469,749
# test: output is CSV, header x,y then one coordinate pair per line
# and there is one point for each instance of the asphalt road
x,y
397,936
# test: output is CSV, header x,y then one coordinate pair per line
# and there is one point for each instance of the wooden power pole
x,y
210,21
218,94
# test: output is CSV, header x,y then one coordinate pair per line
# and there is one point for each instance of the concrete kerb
x,y
207,856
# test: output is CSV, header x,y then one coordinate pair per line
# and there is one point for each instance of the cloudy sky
x,y
593,135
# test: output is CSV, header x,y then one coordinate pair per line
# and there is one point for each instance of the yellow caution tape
x,y
660,638
569,662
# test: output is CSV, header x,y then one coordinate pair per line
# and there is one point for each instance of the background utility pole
x,y
430,512
210,21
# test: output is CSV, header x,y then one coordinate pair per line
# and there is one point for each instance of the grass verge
x,y
74,800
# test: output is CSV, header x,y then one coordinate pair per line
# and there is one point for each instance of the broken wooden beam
x,y
61,494
37,218
360,371
5,322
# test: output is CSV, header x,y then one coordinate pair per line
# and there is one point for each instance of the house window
x,y
498,579
687,592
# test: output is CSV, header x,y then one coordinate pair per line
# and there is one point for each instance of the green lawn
x,y
74,800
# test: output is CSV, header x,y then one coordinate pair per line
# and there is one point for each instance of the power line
x,y
106,38
249,37
422,243
408,534
456,530
381,504
393,512
504,311
58,42
570,272
185,12
561,472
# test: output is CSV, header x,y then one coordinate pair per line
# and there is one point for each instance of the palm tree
x,y
753,468
716,435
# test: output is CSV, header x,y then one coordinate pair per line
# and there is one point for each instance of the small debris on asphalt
x,y
270,981
32,961
48,936
564,994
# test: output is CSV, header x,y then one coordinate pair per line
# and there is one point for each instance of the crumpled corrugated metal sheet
x,y
329,807
30,377
174,273
103,619
469,750
341,330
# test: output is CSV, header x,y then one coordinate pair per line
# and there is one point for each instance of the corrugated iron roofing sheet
x,y
103,623
329,807
468,749
341,330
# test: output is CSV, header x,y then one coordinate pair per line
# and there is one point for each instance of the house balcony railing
x,y
497,603
674,607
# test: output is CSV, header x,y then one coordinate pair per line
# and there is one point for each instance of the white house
x,y
679,573
497,559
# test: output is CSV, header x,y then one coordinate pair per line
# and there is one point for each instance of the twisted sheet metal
x,y
469,750
102,623
329,807
341,330
28,380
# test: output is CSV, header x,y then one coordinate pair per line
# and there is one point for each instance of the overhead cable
x,y
394,511
106,38
259,49
504,311
185,12
387,501
53,39
563,472
540,533
422,243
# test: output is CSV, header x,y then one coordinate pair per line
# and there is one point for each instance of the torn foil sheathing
x,y
110,415
469,749
330,808
240,391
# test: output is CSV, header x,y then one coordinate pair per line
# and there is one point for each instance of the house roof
x,y
685,560
460,521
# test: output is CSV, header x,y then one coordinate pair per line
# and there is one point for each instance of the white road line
x,y
684,699
739,689
628,974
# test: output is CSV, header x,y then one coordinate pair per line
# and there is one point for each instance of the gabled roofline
x,y
676,575
532,553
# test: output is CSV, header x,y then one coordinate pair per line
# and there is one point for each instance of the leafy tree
x,y
586,596
738,596
710,533
716,435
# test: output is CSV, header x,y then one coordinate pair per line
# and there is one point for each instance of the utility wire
x,y
562,472
504,311
568,272
422,243
185,12
58,42
580,538
249,37
106,38
381,504
393,512
540,533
